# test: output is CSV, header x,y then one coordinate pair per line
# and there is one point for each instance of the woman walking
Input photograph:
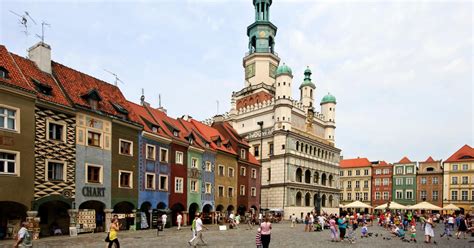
x,y
114,228
266,230
462,227
429,232
332,227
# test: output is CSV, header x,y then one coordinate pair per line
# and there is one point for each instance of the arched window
x,y
297,145
323,179
307,176
311,93
330,180
323,201
298,199
316,178
306,148
307,199
330,201
299,175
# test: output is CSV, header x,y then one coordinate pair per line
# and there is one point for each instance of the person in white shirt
x,y
199,227
179,219
293,220
231,218
260,218
163,220
24,237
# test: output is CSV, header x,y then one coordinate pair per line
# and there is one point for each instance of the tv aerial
x,y
43,24
117,79
24,20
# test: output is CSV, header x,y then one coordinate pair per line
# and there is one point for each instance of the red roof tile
x,y
212,133
354,162
15,77
146,119
466,153
33,73
404,160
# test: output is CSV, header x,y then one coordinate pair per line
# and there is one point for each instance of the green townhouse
x,y
404,182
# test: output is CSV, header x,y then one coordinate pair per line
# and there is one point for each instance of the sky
x,y
401,70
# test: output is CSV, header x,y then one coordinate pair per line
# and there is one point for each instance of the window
x,y
357,184
3,72
349,173
357,172
349,196
454,180
93,139
358,196
93,173
8,118
455,167
179,157
409,170
242,171
377,195
231,172
253,191
423,180
464,195
385,182
163,182
221,170
55,171
178,185
385,195
9,162
269,172
465,180
386,171
208,188
378,171
230,192
435,195
242,189
454,195
125,179
163,155
194,163
422,195
341,196
349,184
270,148
377,181
409,181
221,191
435,180
254,173
194,186
465,167
409,194
93,103
150,181
366,172
55,131
150,152
256,150
366,196
399,170
126,147
399,194
366,184
399,181
341,173
242,154
208,166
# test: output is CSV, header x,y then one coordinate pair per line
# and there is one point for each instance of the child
x,y
413,234
364,231
258,238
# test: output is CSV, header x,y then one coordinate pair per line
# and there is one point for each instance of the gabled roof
x,y
15,77
213,134
380,163
405,160
41,81
146,119
355,162
430,160
466,153
168,124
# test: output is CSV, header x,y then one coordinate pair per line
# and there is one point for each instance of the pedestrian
x,y
266,229
260,218
24,238
429,232
114,228
199,227
451,223
306,223
179,219
342,224
293,220
258,238
163,221
413,233
332,227
193,230
364,232
462,227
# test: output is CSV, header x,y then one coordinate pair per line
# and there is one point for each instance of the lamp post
x,y
260,123
318,203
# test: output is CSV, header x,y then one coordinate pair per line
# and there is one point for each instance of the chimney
x,y
218,118
41,55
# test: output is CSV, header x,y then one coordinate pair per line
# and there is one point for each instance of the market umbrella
x,y
341,206
393,205
357,204
424,206
451,207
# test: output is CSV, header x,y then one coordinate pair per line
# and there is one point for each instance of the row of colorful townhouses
x,y
407,182
74,150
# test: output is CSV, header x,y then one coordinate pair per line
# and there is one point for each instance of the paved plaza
x,y
282,236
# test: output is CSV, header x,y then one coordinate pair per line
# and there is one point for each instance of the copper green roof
x,y
307,79
284,69
328,99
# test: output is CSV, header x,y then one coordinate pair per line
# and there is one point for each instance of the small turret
x,y
328,109
284,78
307,89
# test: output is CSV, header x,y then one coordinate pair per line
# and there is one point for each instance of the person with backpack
x,y
24,238
193,230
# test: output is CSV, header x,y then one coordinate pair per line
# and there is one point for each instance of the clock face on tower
x,y
250,71
272,72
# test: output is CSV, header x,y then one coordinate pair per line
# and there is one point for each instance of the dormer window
x,y
175,133
154,129
93,98
4,73
121,111
207,144
93,103
191,141
42,88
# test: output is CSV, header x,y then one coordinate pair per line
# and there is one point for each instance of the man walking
x,y
199,227
179,219
293,220
24,237
163,220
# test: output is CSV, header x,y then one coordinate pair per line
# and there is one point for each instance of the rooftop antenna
x,y
142,98
117,79
159,100
24,20
42,30
217,101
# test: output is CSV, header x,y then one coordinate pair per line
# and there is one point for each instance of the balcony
x,y
261,50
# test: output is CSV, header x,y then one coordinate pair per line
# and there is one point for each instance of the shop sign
x,y
6,140
93,192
